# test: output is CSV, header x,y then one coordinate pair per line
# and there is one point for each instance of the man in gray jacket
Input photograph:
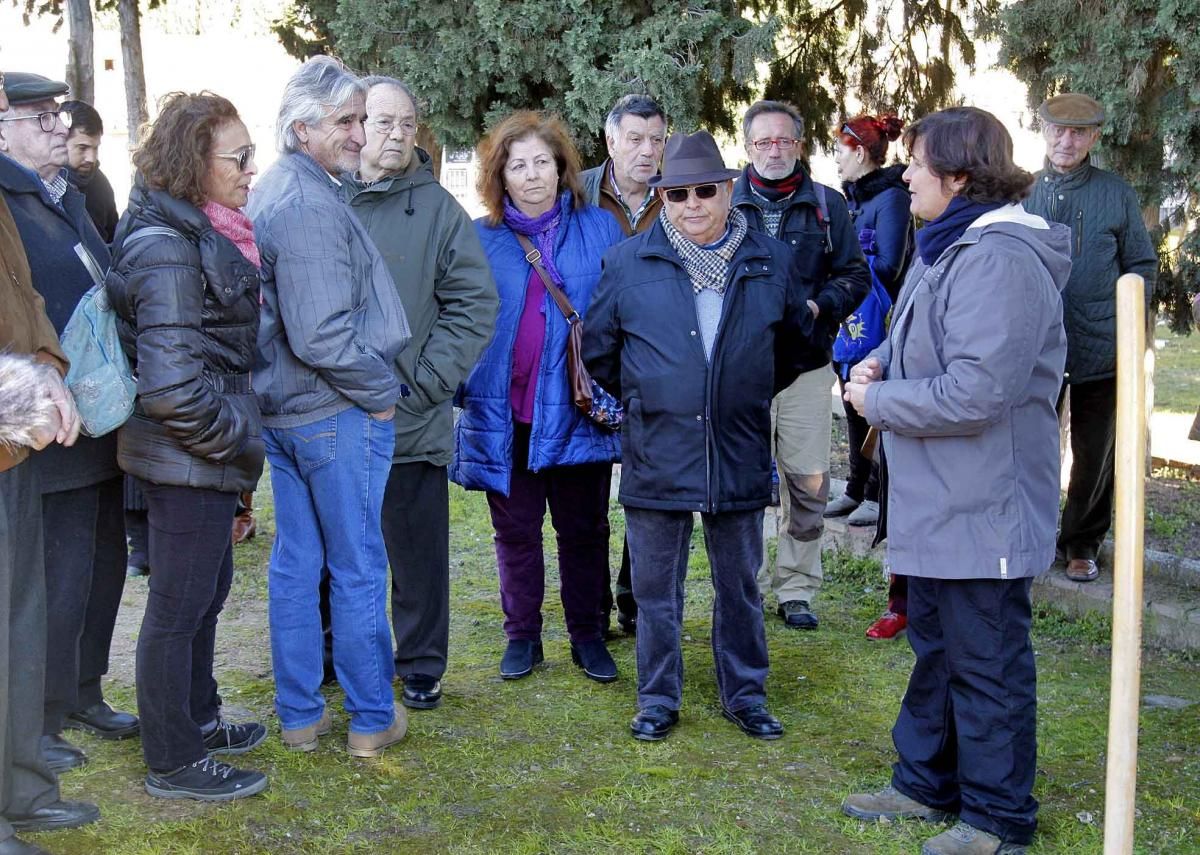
x,y
332,328
1108,239
431,248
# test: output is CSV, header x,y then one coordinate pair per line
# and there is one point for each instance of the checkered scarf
x,y
57,187
707,268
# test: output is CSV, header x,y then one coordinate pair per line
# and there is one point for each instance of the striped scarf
x,y
707,268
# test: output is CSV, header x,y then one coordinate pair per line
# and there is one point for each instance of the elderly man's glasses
x,y
784,143
385,126
241,157
680,194
46,119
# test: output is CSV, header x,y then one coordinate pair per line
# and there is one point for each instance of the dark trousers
x,y
192,556
898,594
966,734
85,575
622,588
863,483
137,526
659,543
416,533
1088,512
578,501
25,782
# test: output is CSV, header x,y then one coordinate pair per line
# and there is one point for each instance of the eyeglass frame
x,y
60,115
688,192
765,145
241,157
409,131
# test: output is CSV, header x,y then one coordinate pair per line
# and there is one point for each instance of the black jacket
x,y
188,312
100,200
697,434
879,201
833,260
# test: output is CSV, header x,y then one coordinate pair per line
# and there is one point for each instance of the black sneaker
x,y
208,780
229,738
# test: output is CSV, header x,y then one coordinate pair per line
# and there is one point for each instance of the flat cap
x,y
23,87
1072,110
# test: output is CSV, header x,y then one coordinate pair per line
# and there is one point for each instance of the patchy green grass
x,y
1176,371
546,765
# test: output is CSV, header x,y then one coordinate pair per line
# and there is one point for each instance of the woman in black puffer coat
x,y
879,211
184,284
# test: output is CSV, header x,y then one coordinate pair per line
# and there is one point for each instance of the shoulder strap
x,y
534,257
823,215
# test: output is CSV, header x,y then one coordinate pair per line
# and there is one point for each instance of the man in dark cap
x,y
696,324
1109,238
81,486
29,798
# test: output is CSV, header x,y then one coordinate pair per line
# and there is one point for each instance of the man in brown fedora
x,y
696,324
1109,239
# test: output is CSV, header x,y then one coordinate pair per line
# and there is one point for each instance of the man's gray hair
x,y
373,80
760,107
642,106
322,84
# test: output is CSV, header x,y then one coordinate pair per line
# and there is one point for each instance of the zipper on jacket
x,y
1079,232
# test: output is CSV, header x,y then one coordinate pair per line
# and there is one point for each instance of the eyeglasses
x,y
241,157
680,194
385,126
784,143
849,131
46,119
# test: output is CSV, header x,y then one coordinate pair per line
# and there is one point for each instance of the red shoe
x,y
889,625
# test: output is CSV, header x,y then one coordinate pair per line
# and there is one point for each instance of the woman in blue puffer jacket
x,y
520,437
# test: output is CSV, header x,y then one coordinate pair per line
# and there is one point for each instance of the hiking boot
x,y
865,514
373,744
305,738
840,506
798,615
965,839
889,803
206,780
228,738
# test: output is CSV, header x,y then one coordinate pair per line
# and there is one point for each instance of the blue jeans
x,y
658,545
329,477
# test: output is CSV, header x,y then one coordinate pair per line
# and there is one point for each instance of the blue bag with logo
x,y
866,327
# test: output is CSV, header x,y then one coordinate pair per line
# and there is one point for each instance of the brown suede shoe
x,y
891,804
965,839
305,738
373,744
1082,570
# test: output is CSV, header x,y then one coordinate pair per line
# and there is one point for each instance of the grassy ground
x,y
1176,372
546,765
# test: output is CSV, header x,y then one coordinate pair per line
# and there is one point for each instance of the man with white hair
x,y
332,327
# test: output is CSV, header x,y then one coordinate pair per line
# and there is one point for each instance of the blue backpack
x,y
866,327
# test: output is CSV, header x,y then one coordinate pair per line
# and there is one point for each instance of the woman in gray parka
x,y
963,392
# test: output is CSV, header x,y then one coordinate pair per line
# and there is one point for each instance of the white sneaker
x,y
865,514
840,506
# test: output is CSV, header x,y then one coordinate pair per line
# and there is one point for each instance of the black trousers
x,y
85,575
192,556
26,784
416,533
966,735
1088,512
863,483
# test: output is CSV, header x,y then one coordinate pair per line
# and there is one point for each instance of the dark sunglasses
x,y
680,194
241,157
846,129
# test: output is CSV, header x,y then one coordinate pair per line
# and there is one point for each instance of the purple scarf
x,y
542,231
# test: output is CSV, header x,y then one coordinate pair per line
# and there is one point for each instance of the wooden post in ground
x,y
1130,490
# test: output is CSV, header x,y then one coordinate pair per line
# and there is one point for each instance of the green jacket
x,y
1108,239
431,248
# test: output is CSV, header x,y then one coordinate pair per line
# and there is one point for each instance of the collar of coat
x,y
743,192
875,182
1077,177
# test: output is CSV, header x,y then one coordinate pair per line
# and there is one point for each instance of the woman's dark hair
x,y
175,151
872,133
493,156
966,142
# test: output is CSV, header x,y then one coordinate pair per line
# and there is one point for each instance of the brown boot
x,y
373,744
891,804
965,839
244,527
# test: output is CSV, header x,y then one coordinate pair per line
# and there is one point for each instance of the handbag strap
x,y
534,256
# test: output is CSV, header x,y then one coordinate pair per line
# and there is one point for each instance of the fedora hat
x,y
692,159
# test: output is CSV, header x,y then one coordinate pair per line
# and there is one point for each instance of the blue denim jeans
x,y
658,545
329,477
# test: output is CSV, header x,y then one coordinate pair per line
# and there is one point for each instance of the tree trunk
x,y
136,114
81,66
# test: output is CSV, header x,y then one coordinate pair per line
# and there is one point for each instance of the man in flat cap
x,y
81,486
696,324
1109,238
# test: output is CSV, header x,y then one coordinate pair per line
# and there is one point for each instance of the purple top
x,y
527,350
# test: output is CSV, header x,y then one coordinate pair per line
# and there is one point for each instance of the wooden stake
x,y
1125,693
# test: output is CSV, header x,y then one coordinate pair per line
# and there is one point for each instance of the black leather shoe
x,y
61,755
421,692
519,658
797,614
627,611
653,723
755,721
595,660
16,846
104,721
56,815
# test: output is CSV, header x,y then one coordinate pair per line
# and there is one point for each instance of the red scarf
x,y
236,226
777,189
